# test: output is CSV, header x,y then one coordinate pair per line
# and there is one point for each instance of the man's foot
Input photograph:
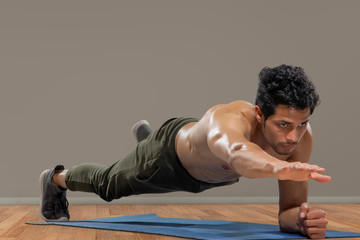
x,y
141,130
53,202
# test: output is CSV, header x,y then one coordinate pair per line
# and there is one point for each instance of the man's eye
x,y
303,124
283,125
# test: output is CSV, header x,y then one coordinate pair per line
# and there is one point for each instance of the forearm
x,y
252,162
289,220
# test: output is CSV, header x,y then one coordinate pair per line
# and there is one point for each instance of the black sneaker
x,y
53,205
141,130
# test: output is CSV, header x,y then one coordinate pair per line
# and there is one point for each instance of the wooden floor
x,y
342,217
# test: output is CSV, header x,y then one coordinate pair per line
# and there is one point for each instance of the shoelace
x,y
61,203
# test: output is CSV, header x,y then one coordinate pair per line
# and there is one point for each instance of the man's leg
x,y
109,182
105,181
59,178
140,130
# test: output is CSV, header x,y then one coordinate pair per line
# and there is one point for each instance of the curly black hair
x,y
285,85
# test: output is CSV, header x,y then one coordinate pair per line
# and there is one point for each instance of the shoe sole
x,y
137,125
41,180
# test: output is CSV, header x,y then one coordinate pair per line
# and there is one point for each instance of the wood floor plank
x,y
342,217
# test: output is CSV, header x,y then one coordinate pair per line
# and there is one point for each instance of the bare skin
x,y
233,140
59,179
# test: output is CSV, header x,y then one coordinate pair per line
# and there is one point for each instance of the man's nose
x,y
292,136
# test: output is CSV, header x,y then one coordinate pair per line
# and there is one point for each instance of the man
x,y
271,139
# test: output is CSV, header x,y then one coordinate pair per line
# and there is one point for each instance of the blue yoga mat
x,y
191,228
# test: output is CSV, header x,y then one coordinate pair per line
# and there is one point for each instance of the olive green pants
x,y
152,167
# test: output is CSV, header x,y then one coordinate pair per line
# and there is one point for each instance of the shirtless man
x,y
270,139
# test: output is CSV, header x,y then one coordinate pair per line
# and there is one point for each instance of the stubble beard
x,y
278,146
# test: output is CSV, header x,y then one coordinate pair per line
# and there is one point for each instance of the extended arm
x,y
228,139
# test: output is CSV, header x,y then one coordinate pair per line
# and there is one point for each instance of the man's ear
x,y
258,114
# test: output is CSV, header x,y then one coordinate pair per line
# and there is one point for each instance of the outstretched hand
x,y
298,171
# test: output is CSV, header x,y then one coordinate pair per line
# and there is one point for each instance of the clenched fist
x,y
312,222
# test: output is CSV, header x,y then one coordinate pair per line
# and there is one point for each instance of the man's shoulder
x,y
236,116
241,103
234,106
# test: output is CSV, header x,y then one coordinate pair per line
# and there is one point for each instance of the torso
x,y
195,155
197,158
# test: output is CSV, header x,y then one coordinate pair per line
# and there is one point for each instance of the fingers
x,y
317,233
320,178
312,170
315,223
307,167
302,216
298,171
303,210
316,218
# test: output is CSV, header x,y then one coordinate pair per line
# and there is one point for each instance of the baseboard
x,y
177,200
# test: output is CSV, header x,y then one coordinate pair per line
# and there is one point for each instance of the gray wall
x,y
76,75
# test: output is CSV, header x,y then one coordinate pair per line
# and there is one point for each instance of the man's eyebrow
x,y
289,123
305,121
286,122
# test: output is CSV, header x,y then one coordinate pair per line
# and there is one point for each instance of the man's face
x,y
284,129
